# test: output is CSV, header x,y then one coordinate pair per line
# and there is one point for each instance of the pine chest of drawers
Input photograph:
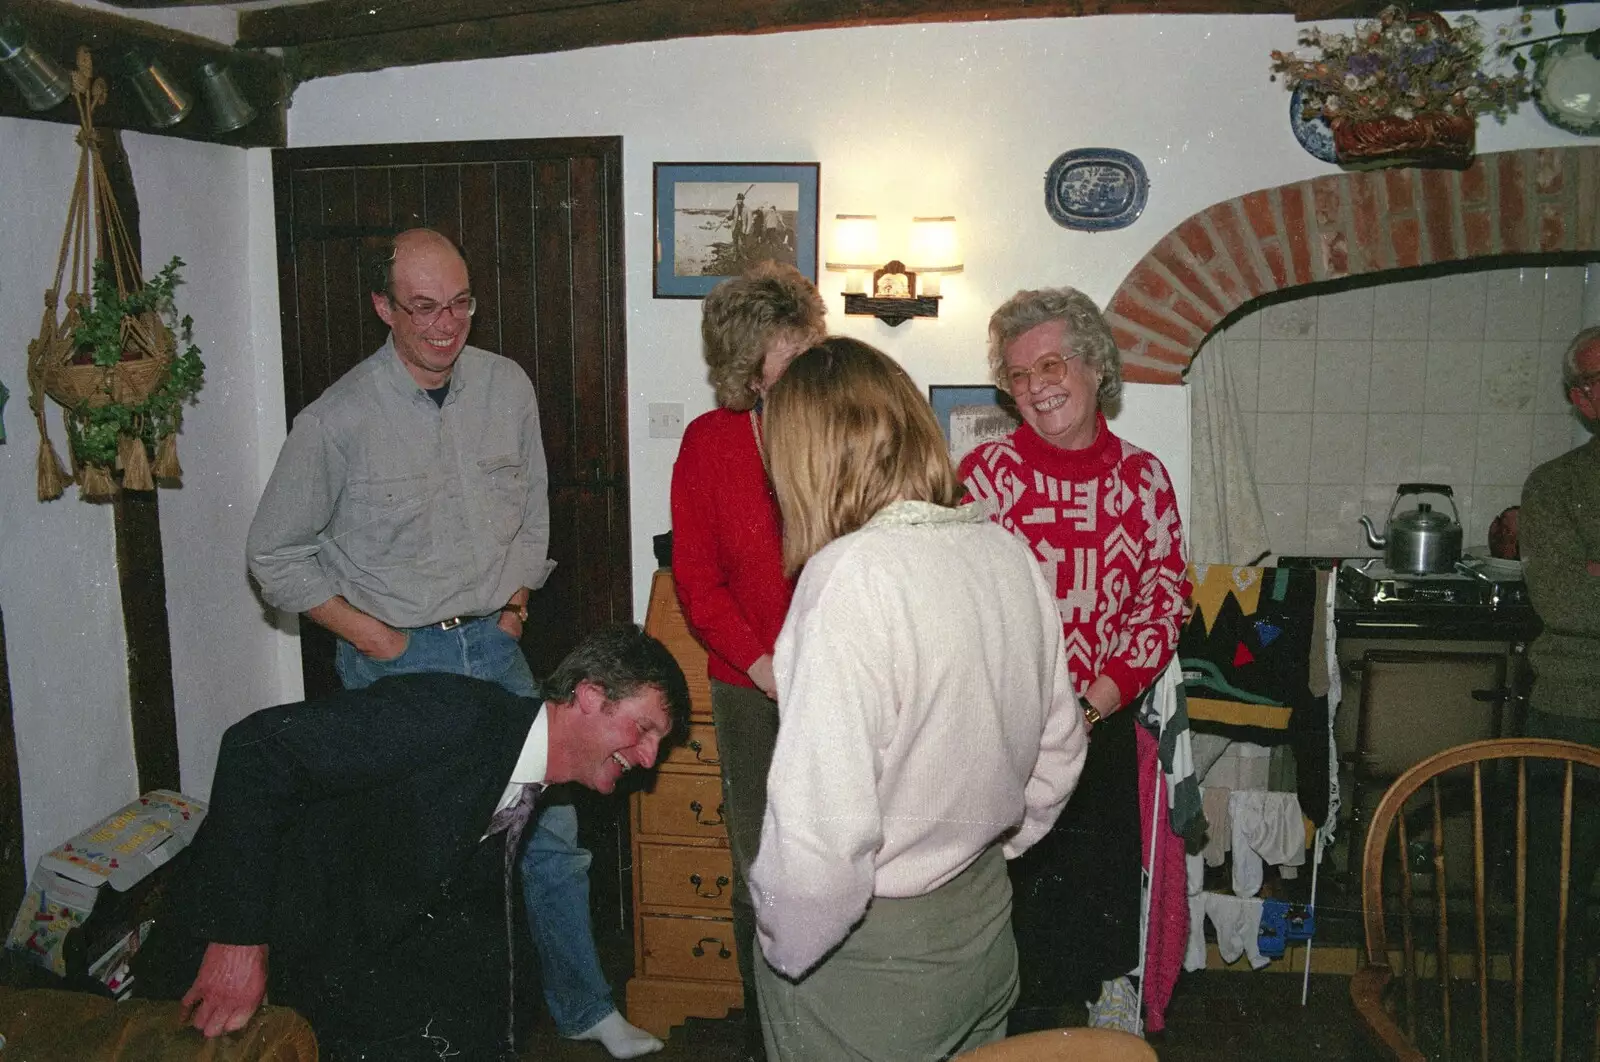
x,y
684,961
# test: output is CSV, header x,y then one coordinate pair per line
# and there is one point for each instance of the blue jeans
x,y
555,871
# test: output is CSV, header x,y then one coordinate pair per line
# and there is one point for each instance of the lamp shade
x,y
855,242
934,246
41,82
229,109
163,100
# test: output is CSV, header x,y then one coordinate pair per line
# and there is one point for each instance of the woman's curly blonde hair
x,y
1088,331
742,317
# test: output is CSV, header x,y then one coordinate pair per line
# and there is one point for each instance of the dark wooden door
x,y
540,223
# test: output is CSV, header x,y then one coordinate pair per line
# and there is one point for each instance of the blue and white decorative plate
x,y
1566,87
1314,134
1096,189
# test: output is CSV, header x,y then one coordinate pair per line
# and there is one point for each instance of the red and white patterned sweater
x,y
1103,525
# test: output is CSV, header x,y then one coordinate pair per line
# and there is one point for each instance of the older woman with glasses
x,y
1101,520
928,730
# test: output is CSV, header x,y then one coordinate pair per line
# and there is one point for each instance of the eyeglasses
x,y
1585,382
1050,369
425,312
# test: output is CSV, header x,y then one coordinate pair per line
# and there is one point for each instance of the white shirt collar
x,y
533,762
535,756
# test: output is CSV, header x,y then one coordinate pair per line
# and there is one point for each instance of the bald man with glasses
x,y
409,515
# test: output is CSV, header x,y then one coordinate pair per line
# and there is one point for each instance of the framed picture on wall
x,y
971,414
715,219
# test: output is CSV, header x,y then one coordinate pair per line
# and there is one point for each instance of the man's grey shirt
x,y
413,512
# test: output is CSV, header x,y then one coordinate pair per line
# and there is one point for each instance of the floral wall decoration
x,y
1404,89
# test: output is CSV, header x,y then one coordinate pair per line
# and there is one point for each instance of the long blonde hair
x,y
848,433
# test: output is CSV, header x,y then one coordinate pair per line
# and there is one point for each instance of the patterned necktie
x,y
513,820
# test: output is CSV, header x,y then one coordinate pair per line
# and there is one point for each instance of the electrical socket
x,y
666,420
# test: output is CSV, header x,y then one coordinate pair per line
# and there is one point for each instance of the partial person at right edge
x,y
727,560
1559,536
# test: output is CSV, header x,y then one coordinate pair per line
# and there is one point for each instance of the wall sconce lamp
x,y
164,101
899,292
42,83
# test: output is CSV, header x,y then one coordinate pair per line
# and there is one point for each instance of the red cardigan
x,y
727,544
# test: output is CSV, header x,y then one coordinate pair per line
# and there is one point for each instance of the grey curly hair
x,y
1090,335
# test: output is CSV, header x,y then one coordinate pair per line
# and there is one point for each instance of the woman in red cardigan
x,y
1101,518
727,548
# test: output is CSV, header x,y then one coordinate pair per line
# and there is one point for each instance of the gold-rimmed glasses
x,y
426,311
1048,369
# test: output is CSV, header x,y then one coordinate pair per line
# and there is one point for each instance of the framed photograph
x,y
715,219
969,415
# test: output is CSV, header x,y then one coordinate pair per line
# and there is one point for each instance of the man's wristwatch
x,y
1091,714
520,609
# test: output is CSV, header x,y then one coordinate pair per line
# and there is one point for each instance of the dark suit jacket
x,y
338,827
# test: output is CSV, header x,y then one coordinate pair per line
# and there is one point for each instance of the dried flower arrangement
x,y
1399,65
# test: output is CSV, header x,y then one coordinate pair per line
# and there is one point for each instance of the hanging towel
x,y
1238,925
1247,653
1267,828
1194,956
1219,826
1164,711
1168,927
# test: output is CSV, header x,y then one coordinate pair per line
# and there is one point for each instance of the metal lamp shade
x,y
163,100
229,109
41,82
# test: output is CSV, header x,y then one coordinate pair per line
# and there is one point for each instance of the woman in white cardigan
x,y
928,729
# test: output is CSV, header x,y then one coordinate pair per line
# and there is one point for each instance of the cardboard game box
x,y
119,852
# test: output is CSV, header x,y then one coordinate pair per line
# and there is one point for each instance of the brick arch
x,y
1345,225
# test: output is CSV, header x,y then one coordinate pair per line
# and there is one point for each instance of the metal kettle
x,y
1421,541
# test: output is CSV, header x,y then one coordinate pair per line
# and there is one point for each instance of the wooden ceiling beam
x,y
558,28
144,5
57,30
297,24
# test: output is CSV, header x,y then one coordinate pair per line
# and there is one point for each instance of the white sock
x,y
620,1037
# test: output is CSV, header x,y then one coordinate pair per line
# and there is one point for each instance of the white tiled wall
x,y
1452,379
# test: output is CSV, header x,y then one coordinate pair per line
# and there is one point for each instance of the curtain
x,y
1226,523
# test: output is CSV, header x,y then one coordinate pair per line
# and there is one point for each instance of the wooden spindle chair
x,y
1064,1045
1408,1013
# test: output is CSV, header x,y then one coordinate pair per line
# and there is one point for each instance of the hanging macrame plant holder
x,y
59,366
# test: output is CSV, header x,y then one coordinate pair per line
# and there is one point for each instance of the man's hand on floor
x,y
228,990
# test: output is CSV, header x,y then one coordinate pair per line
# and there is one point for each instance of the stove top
x,y
1371,582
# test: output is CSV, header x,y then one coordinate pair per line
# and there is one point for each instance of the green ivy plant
x,y
93,430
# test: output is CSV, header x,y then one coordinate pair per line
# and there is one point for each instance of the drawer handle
x,y
698,748
696,879
696,807
722,949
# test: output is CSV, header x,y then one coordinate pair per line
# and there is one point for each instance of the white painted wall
x,y
960,119
58,561
58,577
224,661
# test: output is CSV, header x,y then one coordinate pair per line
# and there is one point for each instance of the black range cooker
x,y
1478,600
